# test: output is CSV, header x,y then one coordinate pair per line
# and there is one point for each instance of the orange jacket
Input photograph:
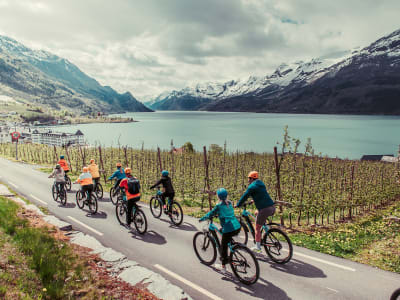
x,y
124,184
94,170
63,163
85,179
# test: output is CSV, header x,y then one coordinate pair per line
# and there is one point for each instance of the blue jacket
x,y
258,192
226,216
119,174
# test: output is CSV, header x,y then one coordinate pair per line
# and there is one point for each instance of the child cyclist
x,y
131,186
230,225
64,165
86,182
59,175
169,191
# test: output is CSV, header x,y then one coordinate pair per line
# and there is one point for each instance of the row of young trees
x,y
320,190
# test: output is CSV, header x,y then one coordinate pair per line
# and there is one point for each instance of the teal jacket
x,y
258,192
119,174
226,216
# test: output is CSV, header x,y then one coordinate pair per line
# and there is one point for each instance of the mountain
x,y
362,81
45,78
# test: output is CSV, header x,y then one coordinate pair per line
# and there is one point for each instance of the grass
x,y
371,239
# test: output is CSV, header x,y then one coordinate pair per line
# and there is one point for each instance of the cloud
x,y
151,46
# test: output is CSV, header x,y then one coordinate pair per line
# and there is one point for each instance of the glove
x,y
200,220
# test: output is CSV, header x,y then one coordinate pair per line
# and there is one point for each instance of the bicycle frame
x,y
213,229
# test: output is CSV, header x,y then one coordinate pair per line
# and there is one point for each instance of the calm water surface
x,y
332,135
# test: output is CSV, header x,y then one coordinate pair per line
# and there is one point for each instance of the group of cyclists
x,y
224,209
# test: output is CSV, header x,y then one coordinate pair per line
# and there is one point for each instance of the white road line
x,y
187,282
333,290
325,262
14,185
86,226
37,199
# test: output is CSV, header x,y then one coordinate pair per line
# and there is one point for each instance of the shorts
x,y
264,213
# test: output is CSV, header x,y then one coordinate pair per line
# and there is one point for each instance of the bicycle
x,y
68,184
156,208
114,193
243,262
59,193
90,201
138,216
98,190
395,295
274,240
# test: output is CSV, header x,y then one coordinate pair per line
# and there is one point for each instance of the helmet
x,y
253,174
92,160
128,171
165,173
61,156
222,193
119,165
58,166
85,169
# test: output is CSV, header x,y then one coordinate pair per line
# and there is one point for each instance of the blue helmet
x,y
222,193
164,173
61,156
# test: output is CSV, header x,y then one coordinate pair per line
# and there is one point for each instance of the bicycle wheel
x,y
79,199
243,235
278,245
93,206
120,211
176,215
395,295
205,248
155,207
63,197
54,192
140,221
114,196
244,264
99,191
67,183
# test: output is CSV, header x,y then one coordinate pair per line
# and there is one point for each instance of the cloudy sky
x,y
151,46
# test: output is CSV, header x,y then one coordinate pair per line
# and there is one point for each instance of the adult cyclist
x,y
130,184
86,182
230,225
94,171
169,191
119,174
264,204
64,164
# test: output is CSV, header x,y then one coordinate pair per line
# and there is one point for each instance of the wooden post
x,y
102,164
159,159
351,191
126,157
207,182
69,159
55,154
172,159
278,183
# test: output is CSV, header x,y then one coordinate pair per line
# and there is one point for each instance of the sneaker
x,y
220,268
165,206
256,249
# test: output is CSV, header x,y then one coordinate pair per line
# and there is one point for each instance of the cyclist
x,y
131,187
64,164
86,182
59,175
230,225
264,204
169,192
94,171
119,174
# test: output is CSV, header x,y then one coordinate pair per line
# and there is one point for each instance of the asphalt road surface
x,y
168,250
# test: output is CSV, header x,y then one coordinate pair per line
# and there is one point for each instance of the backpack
x,y
133,185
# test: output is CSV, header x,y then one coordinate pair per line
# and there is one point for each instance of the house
x,y
177,150
374,157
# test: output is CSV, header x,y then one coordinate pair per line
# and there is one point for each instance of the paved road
x,y
168,250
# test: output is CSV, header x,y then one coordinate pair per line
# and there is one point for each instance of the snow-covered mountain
x,y
42,77
345,82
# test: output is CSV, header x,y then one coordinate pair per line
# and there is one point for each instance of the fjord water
x,y
344,136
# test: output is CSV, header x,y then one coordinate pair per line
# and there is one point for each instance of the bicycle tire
x,y
54,192
243,236
93,204
395,295
273,245
240,264
155,207
63,197
120,211
140,221
79,199
203,243
176,215
113,198
99,191
68,183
